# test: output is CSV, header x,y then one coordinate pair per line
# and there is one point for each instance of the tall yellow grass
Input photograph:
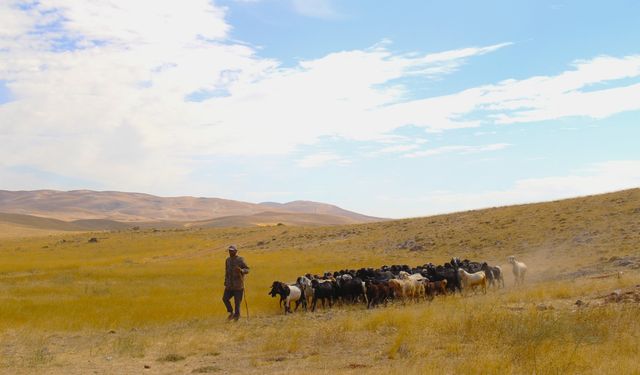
x,y
153,298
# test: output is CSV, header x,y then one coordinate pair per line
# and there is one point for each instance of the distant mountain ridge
x,y
309,207
123,207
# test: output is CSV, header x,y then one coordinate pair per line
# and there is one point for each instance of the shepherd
x,y
235,269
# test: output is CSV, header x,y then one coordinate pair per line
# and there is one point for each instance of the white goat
x,y
472,280
519,269
403,275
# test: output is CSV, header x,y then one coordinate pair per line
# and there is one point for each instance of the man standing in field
x,y
235,269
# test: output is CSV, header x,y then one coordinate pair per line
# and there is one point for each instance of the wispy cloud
x,y
457,150
463,53
574,92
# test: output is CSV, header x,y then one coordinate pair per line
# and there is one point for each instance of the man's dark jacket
x,y
235,269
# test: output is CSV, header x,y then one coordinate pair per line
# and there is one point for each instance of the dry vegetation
x,y
11,230
149,301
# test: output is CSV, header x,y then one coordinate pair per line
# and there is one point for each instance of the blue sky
x,y
393,109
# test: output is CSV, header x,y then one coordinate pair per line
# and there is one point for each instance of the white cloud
x,y
594,179
108,104
13,21
342,94
322,159
100,92
457,150
160,22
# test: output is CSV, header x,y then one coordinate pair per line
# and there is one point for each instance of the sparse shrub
x,y
129,346
400,346
172,358
41,356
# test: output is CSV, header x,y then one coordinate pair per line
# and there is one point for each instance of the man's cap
x,y
232,248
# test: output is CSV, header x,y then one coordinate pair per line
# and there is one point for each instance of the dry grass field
x,y
148,301
10,230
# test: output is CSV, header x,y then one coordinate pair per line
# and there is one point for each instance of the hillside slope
x,y
560,235
275,218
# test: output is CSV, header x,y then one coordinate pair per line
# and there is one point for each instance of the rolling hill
x,y
135,207
120,206
83,210
18,225
275,218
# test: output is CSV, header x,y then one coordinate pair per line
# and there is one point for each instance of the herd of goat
x,y
397,282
